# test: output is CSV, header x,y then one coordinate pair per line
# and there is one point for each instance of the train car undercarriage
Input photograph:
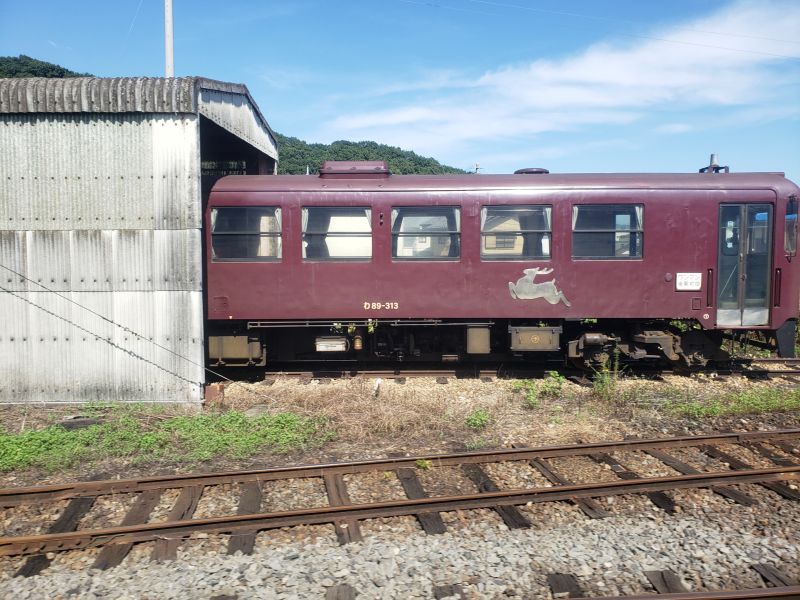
x,y
589,344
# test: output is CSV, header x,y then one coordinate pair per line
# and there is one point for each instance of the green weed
x,y
423,464
478,419
478,443
531,392
748,402
139,439
604,385
552,384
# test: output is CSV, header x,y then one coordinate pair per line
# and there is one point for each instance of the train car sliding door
x,y
744,268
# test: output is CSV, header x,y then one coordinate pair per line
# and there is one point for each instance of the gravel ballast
x,y
708,547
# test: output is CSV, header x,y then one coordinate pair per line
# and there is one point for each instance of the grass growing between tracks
x,y
756,401
142,435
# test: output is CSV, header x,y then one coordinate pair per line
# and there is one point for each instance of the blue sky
x,y
571,86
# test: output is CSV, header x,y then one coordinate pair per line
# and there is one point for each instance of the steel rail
x,y
10,497
769,359
93,538
352,368
788,592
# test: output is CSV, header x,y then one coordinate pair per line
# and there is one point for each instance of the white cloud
x,y
752,65
285,79
673,128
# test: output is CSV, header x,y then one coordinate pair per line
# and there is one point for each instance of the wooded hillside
x,y
25,66
295,154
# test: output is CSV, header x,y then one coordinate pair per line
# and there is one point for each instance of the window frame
x,y
276,213
304,220
631,230
452,234
484,214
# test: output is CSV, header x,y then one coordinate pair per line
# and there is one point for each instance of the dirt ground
x,y
371,418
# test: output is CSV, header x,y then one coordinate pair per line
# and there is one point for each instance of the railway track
x,y
669,586
748,367
781,449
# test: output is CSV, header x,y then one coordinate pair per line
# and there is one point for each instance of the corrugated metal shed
x,y
227,104
101,292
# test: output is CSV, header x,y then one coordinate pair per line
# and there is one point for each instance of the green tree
x,y
296,155
25,66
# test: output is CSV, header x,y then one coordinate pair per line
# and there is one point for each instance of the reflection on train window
x,y
251,233
603,231
790,233
758,234
426,233
509,232
337,233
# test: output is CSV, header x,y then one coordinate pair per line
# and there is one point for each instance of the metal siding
x,y
55,351
104,211
176,172
178,260
92,260
237,115
13,258
72,175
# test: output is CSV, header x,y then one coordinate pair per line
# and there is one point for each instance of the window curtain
x,y
316,222
535,218
454,224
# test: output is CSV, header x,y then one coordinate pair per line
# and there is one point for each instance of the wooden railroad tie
x,y
761,449
564,585
347,530
341,591
431,522
511,515
114,554
665,582
660,499
67,521
590,507
739,465
786,447
773,576
184,507
685,469
249,504
447,591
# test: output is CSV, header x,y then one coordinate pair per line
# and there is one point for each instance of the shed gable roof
x,y
196,95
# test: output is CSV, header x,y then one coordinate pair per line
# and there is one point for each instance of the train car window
x,y
729,222
509,232
251,233
426,233
603,231
790,233
337,233
758,232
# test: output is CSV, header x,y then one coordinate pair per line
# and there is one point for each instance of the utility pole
x,y
170,63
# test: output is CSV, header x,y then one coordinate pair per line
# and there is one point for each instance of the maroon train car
x,y
357,264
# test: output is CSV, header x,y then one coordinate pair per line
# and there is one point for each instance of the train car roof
x,y
405,183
